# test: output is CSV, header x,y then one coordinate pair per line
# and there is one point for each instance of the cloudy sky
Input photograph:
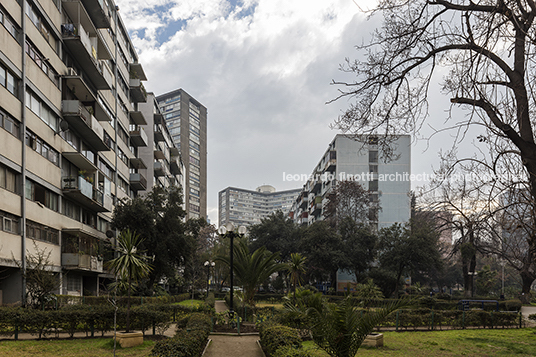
x,y
263,69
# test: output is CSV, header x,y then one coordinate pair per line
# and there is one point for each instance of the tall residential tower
x,y
186,119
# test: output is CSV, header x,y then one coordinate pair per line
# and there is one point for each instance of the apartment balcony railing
x,y
138,182
331,165
316,186
82,191
78,84
78,261
317,205
137,90
80,119
138,137
303,202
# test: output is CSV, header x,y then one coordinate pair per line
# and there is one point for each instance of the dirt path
x,y
233,346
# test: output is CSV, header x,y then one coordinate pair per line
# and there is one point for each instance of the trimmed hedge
x,y
188,342
290,351
64,300
83,318
274,337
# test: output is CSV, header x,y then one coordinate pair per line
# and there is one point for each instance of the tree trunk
x,y
128,305
527,279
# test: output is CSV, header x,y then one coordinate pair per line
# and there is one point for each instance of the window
x,y
39,60
9,222
8,179
373,185
8,80
373,169
71,210
9,124
38,231
108,141
41,110
37,193
42,148
373,156
9,24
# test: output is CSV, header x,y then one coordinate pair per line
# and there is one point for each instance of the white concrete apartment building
x,y
361,159
70,86
246,207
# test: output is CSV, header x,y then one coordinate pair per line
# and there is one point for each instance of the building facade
x,y
186,119
160,160
70,86
244,207
384,172
385,175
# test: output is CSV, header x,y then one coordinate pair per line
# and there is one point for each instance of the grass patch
x,y
268,304
191,303
474,343
95,347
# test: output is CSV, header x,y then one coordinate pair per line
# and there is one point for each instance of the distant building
x,y
360,159
385,173
246,207
186,119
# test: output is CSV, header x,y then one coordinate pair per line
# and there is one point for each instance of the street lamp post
x,y
209,265
228,230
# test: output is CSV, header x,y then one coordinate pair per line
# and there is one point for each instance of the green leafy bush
x,y
275,337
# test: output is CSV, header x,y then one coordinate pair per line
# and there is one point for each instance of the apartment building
x,y
386,175
70,86
245,207
186,119
384,172
160,160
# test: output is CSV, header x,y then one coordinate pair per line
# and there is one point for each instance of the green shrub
x,y
274,337
291,351
211,300
512,305
189,342
184,344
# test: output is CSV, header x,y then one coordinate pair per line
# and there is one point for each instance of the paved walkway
x,y
232,346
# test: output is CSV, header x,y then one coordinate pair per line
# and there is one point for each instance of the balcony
x,y
137,118
82,191
98,12
331,164
159,133
78,261
136,71
175,166
79,87
316,186
138,137
80,160
84,123
137,163
317,205
303,202
138,182
160,169
137,91
174,151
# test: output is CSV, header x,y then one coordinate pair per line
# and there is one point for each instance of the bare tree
x,y
485,50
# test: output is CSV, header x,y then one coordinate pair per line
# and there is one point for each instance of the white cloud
x,y
263,69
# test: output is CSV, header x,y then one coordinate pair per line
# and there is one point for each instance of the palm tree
x,y
295,267
251,269
340,329
130,265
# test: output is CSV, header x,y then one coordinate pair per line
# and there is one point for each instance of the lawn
x,y
192,303
95,347
474,343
